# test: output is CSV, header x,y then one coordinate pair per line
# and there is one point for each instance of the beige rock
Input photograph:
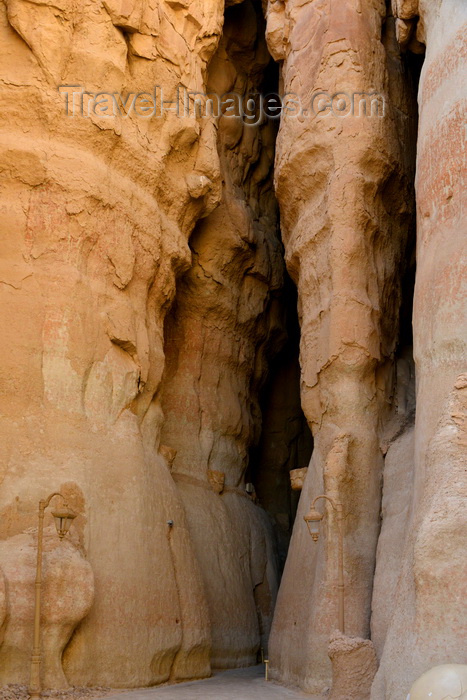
x,y
216,343
142,298
354,666
168,453
398,476
427,622
404,30
405,9
67,596
95,218
277,29
217,480
3,606
297,478
343,185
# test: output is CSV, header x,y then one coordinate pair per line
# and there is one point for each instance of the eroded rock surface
x,y
67,596
343,184
142,301
354,667
95,217
225,320
427,623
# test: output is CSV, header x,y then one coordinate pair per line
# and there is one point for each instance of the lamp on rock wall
x,y
63,517
313,519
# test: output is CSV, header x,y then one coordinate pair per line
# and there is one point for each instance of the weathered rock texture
x,y
95,219
97,211
344,188
67,597
427,579
139,323
354,667
225,319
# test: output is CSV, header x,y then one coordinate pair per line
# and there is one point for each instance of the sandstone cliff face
x,y
95,217
225,319
97,212
67,598
343,184
426,626
142,306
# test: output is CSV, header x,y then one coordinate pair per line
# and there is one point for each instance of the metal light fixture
x,y
313,519
63,518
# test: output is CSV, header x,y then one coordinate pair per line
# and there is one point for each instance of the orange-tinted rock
x,y
67,596
224,320
95,217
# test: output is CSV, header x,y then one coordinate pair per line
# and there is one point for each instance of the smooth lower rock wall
x,y
95,216
427,622
344,189
227,319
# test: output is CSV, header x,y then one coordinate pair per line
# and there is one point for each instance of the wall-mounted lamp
x,y
63,517
313,519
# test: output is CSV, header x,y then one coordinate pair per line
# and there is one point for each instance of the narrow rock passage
x,y
237,684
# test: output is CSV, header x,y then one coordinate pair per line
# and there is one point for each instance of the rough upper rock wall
x,y
225,317
95,215
427,625
343,185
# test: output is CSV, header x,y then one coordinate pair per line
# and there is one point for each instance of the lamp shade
x,y
313,519
63,518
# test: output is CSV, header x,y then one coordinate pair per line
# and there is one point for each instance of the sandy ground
x,y
238,684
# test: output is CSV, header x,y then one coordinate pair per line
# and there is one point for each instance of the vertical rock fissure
x,y
233,314
285,443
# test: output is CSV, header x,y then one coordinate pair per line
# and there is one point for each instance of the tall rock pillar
x,y
342,180
427,618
